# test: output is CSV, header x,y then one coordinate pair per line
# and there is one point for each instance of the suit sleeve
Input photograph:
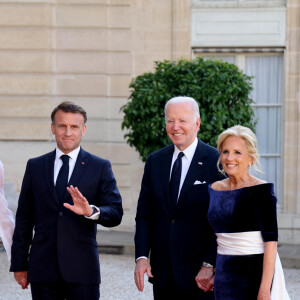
x,y
211,252
144,215
22,237
110,206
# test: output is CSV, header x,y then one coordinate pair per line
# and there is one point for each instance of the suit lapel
x,y
165,167
49,165
196,169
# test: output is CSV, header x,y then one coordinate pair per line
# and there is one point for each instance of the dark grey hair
x,y
68,106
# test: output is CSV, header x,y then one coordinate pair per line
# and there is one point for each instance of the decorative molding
x,y
238,3
242,27
238,50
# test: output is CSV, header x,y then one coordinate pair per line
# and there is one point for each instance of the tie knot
x,y
65,158
180,155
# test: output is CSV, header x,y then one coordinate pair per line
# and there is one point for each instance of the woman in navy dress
x,y
242,212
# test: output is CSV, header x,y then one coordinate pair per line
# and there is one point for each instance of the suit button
x,y
172,221
60,213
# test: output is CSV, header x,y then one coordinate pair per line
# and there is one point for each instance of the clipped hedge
x,y
220,88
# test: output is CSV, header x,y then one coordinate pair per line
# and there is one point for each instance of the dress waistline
x,y
240,243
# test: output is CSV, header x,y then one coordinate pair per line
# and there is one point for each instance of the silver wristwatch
x,y
207,265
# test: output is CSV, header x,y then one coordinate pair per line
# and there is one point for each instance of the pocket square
x,y
199,182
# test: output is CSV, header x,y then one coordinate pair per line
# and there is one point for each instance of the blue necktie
x,y
62,178
175,179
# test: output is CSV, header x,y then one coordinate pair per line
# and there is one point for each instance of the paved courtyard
x,y
117,281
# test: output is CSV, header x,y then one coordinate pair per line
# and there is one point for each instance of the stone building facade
x,y
88,51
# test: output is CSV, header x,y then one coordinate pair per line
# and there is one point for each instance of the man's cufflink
x,y
207,265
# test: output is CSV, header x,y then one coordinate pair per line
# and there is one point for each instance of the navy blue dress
x,y
247,209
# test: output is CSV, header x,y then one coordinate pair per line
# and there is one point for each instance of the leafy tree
x,y
221,90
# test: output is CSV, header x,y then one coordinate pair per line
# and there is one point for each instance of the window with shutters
x,y
268,94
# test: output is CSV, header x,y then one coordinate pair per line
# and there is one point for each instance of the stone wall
x,y
86,51
290,221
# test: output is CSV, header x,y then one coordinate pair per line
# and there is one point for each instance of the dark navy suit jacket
x,y
184,238
63,242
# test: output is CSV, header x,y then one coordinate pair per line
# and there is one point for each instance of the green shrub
x,y
220,88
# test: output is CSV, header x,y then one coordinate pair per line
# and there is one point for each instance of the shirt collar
x,y
73,154
189,151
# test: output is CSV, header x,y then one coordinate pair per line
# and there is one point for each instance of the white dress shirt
x,y
186,161
7,223
58,162
72,161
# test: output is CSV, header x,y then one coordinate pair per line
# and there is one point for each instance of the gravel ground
x,y
117,281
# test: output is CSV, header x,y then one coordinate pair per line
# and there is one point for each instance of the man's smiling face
x,y
181,124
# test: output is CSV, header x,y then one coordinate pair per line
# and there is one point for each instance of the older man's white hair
x,y
183,99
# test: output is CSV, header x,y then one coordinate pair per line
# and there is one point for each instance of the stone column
x,y
292,111
181,29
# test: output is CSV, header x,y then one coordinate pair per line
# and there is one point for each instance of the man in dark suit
x,y
171,219
61,259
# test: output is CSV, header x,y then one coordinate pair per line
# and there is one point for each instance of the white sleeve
x,y
96,215
141,257
7,222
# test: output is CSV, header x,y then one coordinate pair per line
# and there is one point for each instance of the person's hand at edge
x,y
142,266
21,278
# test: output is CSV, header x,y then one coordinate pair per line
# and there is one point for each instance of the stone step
x,y
118,242
289,255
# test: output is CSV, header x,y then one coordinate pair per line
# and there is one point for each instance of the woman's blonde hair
x,y
251,143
